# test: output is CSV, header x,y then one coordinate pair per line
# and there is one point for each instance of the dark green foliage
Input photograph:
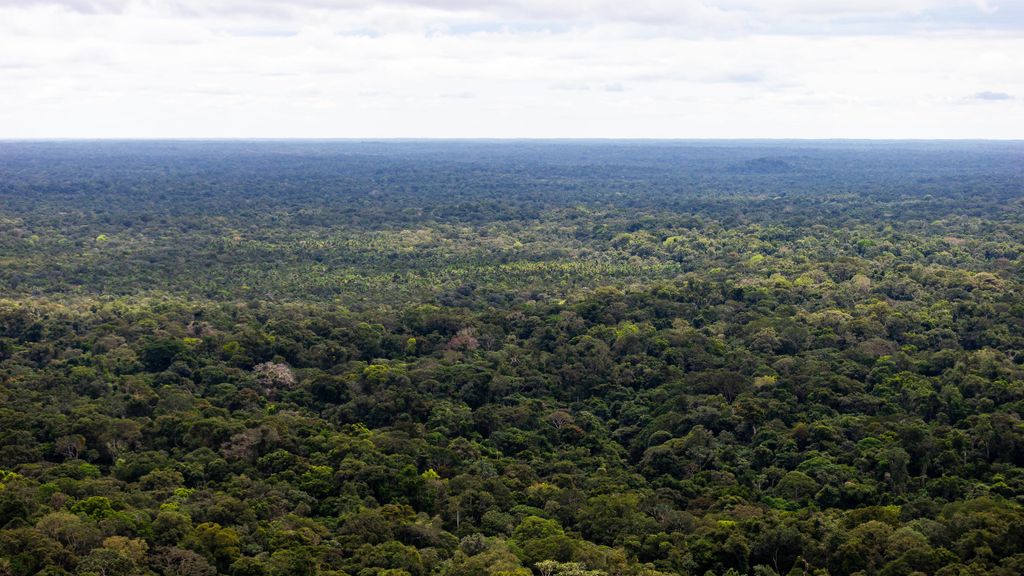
x,y
461,359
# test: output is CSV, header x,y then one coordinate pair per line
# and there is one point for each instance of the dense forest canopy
x,y
511,358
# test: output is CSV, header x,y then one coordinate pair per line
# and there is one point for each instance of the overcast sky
x,y
512,68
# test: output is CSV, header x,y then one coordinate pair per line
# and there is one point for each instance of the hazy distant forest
x,y
511,358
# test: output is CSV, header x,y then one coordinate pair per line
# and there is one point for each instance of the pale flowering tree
x,y
553,568
248,443
175,561
273,376
464,339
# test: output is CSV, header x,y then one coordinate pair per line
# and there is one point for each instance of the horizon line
x,y
6,140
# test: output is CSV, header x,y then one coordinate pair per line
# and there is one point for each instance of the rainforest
x,y
511,358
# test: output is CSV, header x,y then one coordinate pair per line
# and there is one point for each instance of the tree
x,y
217,544
173,561
70,446
797,486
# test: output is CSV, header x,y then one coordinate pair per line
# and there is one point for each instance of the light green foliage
x,y
465,359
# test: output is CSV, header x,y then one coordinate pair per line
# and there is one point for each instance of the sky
x,y
512,69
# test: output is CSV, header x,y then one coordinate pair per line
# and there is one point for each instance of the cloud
x,y
80,6
708,17
992,96
741,78
651,68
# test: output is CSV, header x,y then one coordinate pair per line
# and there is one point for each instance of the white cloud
x,y
989,96
450,68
